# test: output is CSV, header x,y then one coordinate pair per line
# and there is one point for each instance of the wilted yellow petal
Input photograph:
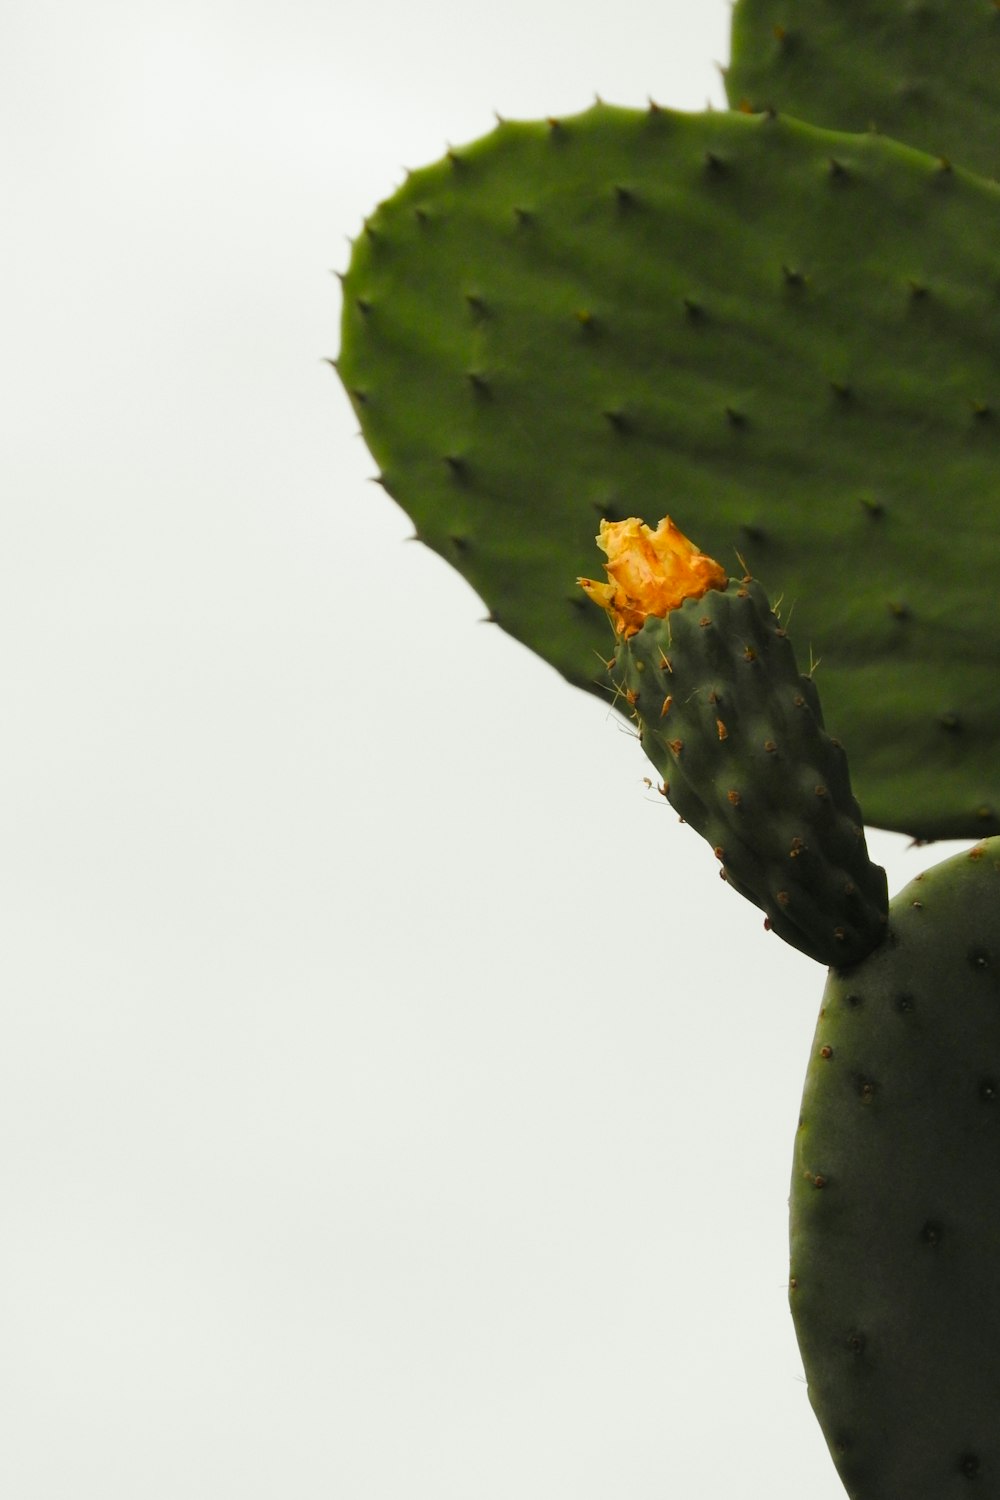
x,y
649,572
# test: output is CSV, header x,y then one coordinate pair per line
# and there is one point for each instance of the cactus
x,y
895,1204
787,333
737,734
926,73
784,334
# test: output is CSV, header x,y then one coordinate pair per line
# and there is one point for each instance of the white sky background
x,y
394,1101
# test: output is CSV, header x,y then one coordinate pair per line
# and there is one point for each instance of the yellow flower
x,y
649,572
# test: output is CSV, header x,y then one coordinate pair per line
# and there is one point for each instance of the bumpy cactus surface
x,y
923,71
895,1206
785,336
736,732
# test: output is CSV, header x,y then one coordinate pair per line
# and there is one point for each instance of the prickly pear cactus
x,y
736,732
788,336
895,1204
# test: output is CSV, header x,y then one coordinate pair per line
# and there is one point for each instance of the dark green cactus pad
x,y
785,338
895,1204
737,735
926,72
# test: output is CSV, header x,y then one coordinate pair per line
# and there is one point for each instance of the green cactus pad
x,y
895,1204
785,338
926,72
737,735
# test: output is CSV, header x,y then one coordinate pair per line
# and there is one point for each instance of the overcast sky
x,y
395,1102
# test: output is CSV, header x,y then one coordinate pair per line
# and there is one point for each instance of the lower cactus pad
x,y
895,1204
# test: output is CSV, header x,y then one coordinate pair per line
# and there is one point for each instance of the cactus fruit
x,y
895,1204
737,735
926,72
793,332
